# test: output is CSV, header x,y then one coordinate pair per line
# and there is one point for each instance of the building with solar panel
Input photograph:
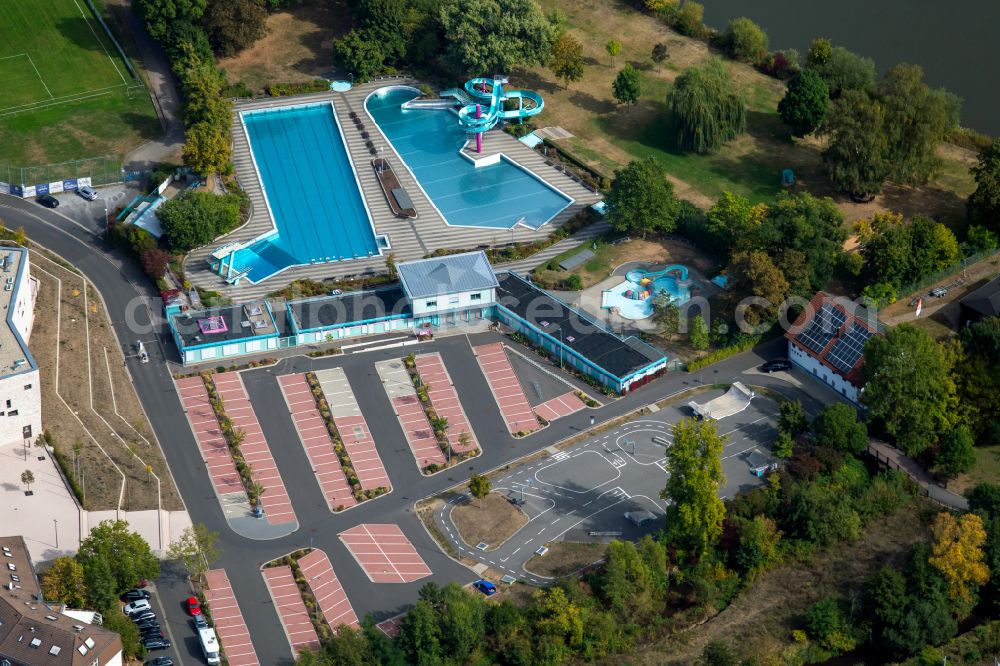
x,y
828,340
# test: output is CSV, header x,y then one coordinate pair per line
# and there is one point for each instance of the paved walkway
x,y
215,451
329,593
316,441
524,266
385,554
291,609
896,459
560,406
506,388
353,429
239,409
417,429
228,620
445,401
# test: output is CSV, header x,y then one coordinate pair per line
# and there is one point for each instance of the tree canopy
x,y
841,69
694,468
567,58
706,108
641,199
114,559
757,288
627,86
196,218
359,53
233,25
746,40
984,202
158,15
899,253
485,37
855,155
837,426
804,106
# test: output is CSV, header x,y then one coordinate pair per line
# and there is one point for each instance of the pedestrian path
x,y
353,429
291,610
892,457
228,620
445,401
275,500
506,388
215,451
329,593
316,441
560,406
410,413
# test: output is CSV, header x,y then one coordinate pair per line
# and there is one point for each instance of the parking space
x,y
353,429
560,406
316,441
215,451
384,553
392,627
228,620
276,503
445,400
409,411
506,388
291,609
329,593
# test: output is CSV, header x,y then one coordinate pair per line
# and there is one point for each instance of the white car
x,y
87,192
136,607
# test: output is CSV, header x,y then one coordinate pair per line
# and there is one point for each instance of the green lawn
x,y
67,94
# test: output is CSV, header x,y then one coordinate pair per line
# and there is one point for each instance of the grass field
x,y
67,94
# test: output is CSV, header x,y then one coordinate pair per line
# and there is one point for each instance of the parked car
x,y
193,606
776,365
157,644
137,606
48,201
485,586
160,661
135,595
143,616
151,635
148,624
199,622
939,292
87,192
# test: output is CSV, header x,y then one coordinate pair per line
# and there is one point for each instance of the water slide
x,y
487,104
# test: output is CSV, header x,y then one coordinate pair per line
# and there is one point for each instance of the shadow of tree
x,y
588,102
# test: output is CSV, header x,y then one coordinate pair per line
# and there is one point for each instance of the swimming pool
x,y
633,298
310,189
429,142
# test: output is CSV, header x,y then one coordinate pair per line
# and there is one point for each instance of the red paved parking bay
x,y
291,610
385,554
228,620
506,388
215,451
329,593
445,400
560,406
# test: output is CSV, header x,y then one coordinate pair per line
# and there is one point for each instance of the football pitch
x,y
65,91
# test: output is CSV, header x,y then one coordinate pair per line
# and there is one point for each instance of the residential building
x,y
980,304
20,392
828,340
33,633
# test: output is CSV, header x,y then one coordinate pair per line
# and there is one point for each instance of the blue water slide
x,y
490,95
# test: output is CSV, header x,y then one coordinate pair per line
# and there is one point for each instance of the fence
x,y
927,281
52,178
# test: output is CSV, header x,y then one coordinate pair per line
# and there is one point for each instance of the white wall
x,y
22,394
822,372
423,307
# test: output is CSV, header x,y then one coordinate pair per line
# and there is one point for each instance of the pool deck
x,y
411,238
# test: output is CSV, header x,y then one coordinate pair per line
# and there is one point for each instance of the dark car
x,y
776,365
146,624
154,635
48,201
157,644
147,615
160,661
135,595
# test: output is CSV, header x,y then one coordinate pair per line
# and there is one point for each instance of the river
x,y
953,41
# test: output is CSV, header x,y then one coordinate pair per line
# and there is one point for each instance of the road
x,y
134,310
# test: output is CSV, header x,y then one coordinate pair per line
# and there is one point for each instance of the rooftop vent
x,y
35,642
89,642
83,649
51,617
77,628
55,650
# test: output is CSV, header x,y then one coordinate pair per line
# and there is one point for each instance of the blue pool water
x,y
429,140
672,280
311,189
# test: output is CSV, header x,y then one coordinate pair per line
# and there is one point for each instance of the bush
x,y
285,89
196,218
154,263
745,40
722,354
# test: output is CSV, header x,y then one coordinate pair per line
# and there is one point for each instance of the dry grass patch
x,y
491,520
566,558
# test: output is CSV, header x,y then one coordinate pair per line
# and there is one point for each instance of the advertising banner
x,y
56,188
40,189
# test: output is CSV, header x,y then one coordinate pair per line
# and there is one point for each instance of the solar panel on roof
x,y
822,328
849,348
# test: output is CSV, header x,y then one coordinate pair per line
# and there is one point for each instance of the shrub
x,y
154,263
745,40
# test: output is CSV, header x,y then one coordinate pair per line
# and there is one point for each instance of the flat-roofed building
x,y
231,330
20,392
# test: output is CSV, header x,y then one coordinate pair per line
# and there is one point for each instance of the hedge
x,y
722,354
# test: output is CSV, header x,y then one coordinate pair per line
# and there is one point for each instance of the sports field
x,y
65,92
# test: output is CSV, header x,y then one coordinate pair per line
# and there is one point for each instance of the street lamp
x,y
55,522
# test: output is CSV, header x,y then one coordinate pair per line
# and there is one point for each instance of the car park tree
x,y
642,200
114,559
196,549
694,468
64,582
27,478
480,486
792,418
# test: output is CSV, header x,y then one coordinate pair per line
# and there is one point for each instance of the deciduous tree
x,y
792,418
957,553
613,48
694,468
158,15
659,54
206,148
916,120
114,559
480,486
804,106
745,40
233,25
855,155
627,86
758,547
841,69
733,222
757,289
699,332
359,53
567,58
706,109
197,549
64,583
641,199
984,203
837,426
494,36
196,218
954,454
689,19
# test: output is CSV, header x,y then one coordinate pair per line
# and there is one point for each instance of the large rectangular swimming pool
x,y
310,188
429,141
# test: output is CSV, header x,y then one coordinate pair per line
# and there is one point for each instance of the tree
x,y
718,653
64,583
626,583
627,86
826,624
804,106
916,120
119,623
613,48
359,53
855,155
233,25
694,469
837,426
955,453
480,486
879,295
820,51
494,36
196,549
979,239
784,445
909,388
910,608
699,332
757,289
745,40
206,149
197,218
792,418
758,545
983,207
659,54
386,23
666,313
841,69
689,19
978,381
567,58
158,15
114,560
706,109
641,199
733,222
27,478
957,553
154,263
